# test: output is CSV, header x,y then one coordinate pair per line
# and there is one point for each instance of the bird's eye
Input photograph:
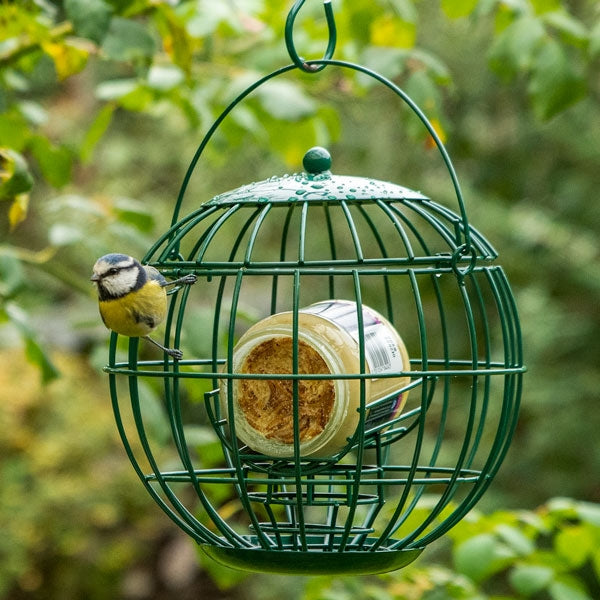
x,y
113,271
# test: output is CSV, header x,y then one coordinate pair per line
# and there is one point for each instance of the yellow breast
x,y
137,313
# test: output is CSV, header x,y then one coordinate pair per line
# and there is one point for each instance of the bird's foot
x,y
174,353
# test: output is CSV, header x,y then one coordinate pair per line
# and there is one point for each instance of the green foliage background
x,y
102,104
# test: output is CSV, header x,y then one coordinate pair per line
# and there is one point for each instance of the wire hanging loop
x,y
300,62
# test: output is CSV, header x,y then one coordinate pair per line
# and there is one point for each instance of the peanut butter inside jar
x,y
267,404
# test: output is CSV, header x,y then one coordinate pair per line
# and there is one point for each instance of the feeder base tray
x,y
311,562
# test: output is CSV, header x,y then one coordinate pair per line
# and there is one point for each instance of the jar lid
x,y
316,184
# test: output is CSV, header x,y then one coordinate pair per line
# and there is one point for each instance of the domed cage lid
x,y
317,184
315,205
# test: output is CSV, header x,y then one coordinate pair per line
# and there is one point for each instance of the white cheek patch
x,y
120,283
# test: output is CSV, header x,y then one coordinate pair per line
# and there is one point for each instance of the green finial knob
x,y
317,160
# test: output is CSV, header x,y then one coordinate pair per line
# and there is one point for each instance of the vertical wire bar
x,y
282,255
390,528
332,247
302,237
296,413
384,253
488,357
254,233
360,430
353,232
413,229
398,227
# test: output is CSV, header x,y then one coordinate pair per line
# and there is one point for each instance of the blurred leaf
x,y
481,556
573,30
458,8
17,212
176,40
15,177
543,6
285,100
11,275
574,544
64,234
554,86
560,590
95,132
128,40
55,162
164,77
391,31
133,212
90,18
68,58
516,539
589,513
514,48
33,112
14,131
113,89
33,350
530,579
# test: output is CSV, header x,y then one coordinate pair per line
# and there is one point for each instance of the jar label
x,y
381,350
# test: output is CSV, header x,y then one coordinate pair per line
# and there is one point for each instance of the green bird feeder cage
x,y
372,402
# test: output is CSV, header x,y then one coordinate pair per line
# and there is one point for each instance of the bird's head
x,y
116,275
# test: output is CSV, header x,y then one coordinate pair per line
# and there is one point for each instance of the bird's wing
x,y
155,275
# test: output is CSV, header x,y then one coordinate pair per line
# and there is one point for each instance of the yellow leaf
x,y
440,132
69,58
391,31
18,210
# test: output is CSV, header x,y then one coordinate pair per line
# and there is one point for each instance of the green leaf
x,y
114,89
90,18
458,8
133,212
544,6
391,31
517,540
128,40
11,275
34,352
480,556
165,77
554,86
560,590
14,131
55,162
530,579
285,100
571,29
574,544
95,132
514,48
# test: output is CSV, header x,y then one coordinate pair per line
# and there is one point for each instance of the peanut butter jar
x,y
328,409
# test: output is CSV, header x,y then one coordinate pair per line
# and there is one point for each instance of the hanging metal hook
x,y
289,37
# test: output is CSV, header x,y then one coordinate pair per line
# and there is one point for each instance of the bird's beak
x,y
95,278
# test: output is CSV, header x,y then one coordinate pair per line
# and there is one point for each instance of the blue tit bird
x,y
132,297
